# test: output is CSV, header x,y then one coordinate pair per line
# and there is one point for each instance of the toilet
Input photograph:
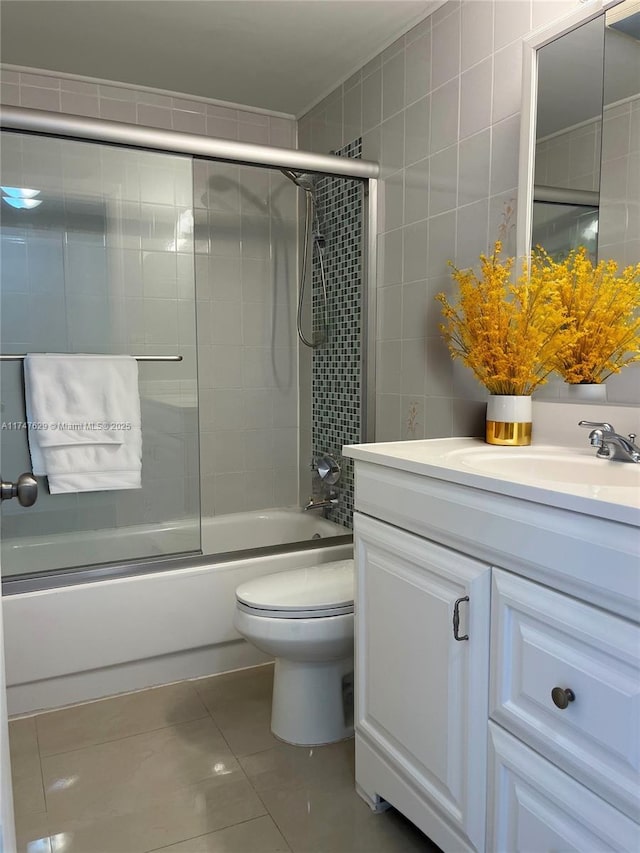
x,y
304,619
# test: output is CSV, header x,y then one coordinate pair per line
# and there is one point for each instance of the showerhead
x,y
303,180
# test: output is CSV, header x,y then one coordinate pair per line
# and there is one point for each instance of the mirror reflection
x,y
566,194
619,235
587,156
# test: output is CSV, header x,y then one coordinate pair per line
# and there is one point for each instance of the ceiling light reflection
x,y
19,192
184,233
21,197
22,203
63,783
39,845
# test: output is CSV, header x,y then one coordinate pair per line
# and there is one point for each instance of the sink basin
x,y
548,465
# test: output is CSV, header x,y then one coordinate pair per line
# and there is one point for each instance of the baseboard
x,y
78,687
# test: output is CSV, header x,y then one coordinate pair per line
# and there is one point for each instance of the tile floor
x,y
189,768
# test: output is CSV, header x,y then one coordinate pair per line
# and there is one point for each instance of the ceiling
x,y
280,55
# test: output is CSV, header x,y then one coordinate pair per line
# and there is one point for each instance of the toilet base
x,y
312,702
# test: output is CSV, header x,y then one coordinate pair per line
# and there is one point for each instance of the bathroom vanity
x,y
497,638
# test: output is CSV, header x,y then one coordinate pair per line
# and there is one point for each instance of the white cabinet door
x,y
421,695
535,808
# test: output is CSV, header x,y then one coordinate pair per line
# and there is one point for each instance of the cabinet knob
x,y
562,696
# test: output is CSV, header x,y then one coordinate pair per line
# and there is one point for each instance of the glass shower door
x,y
269,403
97,257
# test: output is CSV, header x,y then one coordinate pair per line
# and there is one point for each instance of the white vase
x,y
589,391
508,420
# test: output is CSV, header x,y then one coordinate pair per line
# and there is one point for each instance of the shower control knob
x,y
328,469
25,489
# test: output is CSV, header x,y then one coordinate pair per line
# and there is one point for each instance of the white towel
x,y
84,421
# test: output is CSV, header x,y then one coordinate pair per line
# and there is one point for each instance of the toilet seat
x,y
316,592
319,613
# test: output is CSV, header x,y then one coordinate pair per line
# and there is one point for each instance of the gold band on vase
x,y
514,433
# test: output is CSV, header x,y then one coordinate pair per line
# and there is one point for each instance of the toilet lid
x,y
316,588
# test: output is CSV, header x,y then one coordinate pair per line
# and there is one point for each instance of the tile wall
x,y
336,368
99,99
440,109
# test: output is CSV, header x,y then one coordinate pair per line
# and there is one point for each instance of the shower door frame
x,y
84,129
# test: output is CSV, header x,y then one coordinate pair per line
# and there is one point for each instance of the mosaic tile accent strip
x,y
336,371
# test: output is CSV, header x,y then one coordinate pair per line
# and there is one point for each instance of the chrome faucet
x,y
610,444
325,504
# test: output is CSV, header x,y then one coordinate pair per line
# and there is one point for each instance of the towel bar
x,y
137,357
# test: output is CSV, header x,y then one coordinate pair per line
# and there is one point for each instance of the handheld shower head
x,y
313,236
303,180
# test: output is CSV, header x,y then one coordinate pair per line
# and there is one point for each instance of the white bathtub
x,y
89,640
263,528
218,535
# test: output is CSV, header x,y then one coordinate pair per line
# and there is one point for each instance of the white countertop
x,y
457,460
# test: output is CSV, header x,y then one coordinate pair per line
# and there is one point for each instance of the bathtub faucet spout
x,y
325,504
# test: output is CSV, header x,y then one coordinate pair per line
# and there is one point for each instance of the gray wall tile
x,y
443,179
505,140
475,98
40,98
472,236
393,85
444,115
507,81
414,249
416,130
392,142
416,191
371,99
512,21
390,256
477,32
394,205
418,68
473,170
445,49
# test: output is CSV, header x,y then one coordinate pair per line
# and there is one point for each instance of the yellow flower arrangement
x,y
509,334
604,311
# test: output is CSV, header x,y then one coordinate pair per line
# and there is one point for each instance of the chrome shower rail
x,y
175,142
137,357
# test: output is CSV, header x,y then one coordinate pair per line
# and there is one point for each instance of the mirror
x,y
582,184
